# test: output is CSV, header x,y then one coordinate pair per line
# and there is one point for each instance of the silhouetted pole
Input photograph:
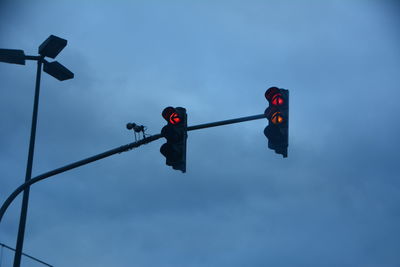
x,y
51,47
28,175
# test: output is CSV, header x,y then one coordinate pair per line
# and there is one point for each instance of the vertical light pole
x,y
51,47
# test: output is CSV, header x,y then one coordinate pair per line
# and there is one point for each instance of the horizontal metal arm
x,y
219,123
33,57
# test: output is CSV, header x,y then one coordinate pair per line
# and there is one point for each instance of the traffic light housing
x,y
277,114
174,150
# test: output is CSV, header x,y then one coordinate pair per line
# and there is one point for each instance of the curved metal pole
x,y
112,152
74,165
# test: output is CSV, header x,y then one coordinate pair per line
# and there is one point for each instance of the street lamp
x,y
51,47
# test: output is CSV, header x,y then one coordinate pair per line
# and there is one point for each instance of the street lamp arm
x,y
33,57
74,165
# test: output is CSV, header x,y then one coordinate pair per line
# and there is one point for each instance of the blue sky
x,y
333,202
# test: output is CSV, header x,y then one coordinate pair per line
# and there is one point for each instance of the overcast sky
x,y
333,202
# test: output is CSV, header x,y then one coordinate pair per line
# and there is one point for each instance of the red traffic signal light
x,y
274,96
174,150
171,115
277,114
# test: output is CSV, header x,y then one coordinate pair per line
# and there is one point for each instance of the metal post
x,y
28,175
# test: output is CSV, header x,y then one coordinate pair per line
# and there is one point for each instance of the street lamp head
x,y
52,46
13,56
57,70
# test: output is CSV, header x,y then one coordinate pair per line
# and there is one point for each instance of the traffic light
x,y
277,114
174,150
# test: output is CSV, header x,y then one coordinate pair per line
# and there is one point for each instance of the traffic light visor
x,y
271,92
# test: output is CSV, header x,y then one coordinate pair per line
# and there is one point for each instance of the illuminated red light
x,y
170,114
174,118
277,100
